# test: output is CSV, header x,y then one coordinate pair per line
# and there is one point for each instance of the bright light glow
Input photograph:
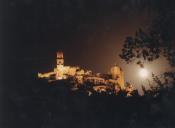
x,y
143,73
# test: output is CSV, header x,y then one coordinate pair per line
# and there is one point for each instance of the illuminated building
x,y
60,58
118,75
61,71
100,82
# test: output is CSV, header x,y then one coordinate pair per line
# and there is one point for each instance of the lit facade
x,y
61,71
118,75
100,81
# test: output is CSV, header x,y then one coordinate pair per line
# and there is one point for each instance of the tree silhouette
x,y
158,40
150,44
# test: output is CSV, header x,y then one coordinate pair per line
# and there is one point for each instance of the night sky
x,y
89,32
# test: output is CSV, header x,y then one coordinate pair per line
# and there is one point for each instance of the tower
x,y
60,59
60,65
118,74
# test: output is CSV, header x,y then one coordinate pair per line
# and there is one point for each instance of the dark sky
x,y
89,32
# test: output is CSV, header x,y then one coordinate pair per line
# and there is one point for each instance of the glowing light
x,y
143,73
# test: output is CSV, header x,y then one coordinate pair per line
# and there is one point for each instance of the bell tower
x,y
60,59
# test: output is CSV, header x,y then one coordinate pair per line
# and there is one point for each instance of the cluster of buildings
x,y
101,82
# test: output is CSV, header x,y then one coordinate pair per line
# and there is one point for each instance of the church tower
x,y
60,59
60,66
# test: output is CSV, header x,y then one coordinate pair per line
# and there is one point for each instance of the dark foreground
x,y
55,106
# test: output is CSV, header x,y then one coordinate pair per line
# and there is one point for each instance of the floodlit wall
x,y
115,72
72,71
118,74
45,75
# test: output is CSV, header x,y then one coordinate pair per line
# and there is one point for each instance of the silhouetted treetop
x,y
158,40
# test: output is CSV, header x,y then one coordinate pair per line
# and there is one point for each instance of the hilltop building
x,y
100,82
61,71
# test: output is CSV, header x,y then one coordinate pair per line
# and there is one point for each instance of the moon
x,y
143,73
